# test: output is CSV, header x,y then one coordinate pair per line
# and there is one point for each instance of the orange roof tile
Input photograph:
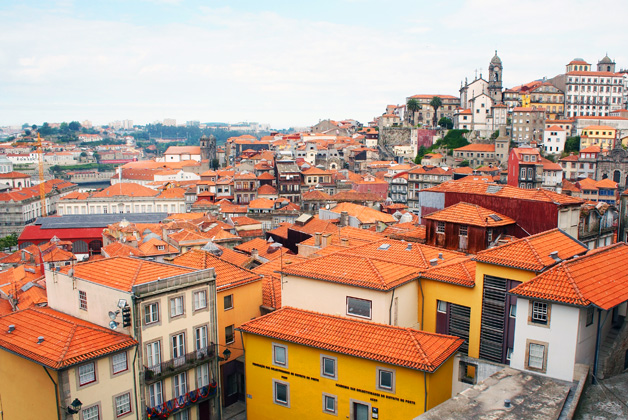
x,y
266,190
460,272
261,203
264,248
315,195
123,273
479,147
67,340
271,292
125,189
364,339
228,275
606,183
118,249
599,278
533,253
470,214
365,215
150,247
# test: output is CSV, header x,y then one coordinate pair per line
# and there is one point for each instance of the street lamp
x,y
74,407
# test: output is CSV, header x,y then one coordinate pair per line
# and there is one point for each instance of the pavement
x,y
235,411
606,401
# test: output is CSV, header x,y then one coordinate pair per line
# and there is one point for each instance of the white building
x,y
554,139
561,312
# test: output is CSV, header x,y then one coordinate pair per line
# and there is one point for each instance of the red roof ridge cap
x,y
571,280
377,273
66,347
137,272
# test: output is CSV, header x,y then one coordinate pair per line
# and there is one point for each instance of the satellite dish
x,y
113,325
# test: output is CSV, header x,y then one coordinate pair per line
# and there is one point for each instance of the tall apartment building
x,y
527,124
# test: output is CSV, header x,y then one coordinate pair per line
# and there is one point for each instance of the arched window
x,y
94,246
80,247
617,176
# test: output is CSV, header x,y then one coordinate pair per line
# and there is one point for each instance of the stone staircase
x,y
608,348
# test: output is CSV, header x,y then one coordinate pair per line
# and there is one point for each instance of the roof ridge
x,y
378,274
536,254
572,281
137,273
66,347
418,346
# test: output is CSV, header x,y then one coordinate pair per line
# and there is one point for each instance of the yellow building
x,y
598,135
53,366
468,298
239,298
305,365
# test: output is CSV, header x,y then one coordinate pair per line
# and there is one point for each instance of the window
x,y
182,415
229,337
464,229
87,373
590,314
540,314
386,380
180,384
176,306
178,346
328,366
82,300
281,393
200,300
489,235
440,227
466,372
513,310
91,413
202,376
155,394
329,404
536,356
119,363
280,355
228,302
153,354
123,404
359,307
200,335
441,306
151,313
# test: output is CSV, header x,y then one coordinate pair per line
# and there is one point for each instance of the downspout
x,y
425,388
422,305
392,299
56,393
244,354
597,342
135,379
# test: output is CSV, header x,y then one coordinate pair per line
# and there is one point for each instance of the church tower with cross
x,y
495,69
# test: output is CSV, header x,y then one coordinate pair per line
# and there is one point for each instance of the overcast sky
x,y
280,62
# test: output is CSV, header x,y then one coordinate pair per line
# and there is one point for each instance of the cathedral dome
x,y
496,59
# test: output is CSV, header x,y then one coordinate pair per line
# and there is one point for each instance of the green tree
x,y
572,144
436,103
412,106
45,129
8,241
74,126
464,164
422,151
63,128
25,125
446,123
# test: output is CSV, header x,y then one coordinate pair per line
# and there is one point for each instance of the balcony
x,y
172,406
179,364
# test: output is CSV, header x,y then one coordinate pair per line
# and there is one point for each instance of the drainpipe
x,y
135,379
422,304
244,354
56,393
392,300
597,343
425,388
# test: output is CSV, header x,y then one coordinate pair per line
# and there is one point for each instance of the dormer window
x,y
160,247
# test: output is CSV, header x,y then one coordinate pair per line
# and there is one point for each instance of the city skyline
x,y
278,63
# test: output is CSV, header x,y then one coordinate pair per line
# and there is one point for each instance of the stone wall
x,y
395,136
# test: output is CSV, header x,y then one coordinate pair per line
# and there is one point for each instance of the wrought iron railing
x,y
178,364
163,411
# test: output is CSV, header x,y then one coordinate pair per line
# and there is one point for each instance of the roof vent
x,y
440,256
554,256
409,247
507,403
40,339
11,328
383,247
434,262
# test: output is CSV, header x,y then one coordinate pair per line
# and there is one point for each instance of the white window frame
x,y
200,337
286,402
176,306
153,354
325,358
200,300
369,316
88,413
440,227
536,356
540,313
156,394
232,327
82,300
177,345
230,299
285,354
380,371
88,374
151,311
180,384
330,397
115,364
119,403
202,375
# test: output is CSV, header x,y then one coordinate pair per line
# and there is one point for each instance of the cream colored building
x,y
172,314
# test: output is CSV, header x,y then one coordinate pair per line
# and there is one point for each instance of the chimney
x,y
409,247
344,242
440,256
344,219
554,256
434,262
11,328
254,253
325,240
317,239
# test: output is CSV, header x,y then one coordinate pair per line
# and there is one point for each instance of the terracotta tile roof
x,y
244,221
599,278
479,147
123,273
607,184
189,237
234,257
149,248
266,190
587,184
506,191
271,292
470,214
263,247
177,150
118,249
533,253
352,195
398,346
315,195
365,215
228,275
67,340
458,271
172,193
281,230
125,189
548,165
261,203
12,175
355,236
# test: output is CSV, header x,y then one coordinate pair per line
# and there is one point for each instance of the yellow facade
x,y
602,136
356,382
26,391
433,291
